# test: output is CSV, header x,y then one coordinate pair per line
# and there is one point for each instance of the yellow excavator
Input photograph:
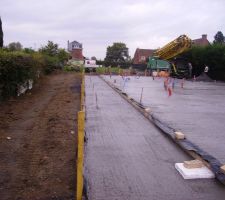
x,y
167,58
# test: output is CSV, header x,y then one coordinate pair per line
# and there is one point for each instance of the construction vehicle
x,y
167,58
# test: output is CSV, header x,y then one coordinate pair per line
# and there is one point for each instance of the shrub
x,y
113,70
15,69
212,56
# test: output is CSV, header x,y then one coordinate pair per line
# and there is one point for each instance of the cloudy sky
x,y
99,23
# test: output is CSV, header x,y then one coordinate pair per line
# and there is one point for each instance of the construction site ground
x,y
197,109
127,157
38,140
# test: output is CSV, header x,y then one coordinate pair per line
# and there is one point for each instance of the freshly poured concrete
x,y
127,158
198,109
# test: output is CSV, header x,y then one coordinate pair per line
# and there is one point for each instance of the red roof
x,y
141,55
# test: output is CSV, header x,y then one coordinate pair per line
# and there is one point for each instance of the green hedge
x,y
102,70
18,67
212,55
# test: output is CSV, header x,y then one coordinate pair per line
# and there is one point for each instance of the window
x,y
142,58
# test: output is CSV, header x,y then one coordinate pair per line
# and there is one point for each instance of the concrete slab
x,y
197,109
126,157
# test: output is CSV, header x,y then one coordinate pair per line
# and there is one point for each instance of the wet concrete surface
x,y
126,157
198,109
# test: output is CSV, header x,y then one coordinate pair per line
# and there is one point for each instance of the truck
x,y
168,58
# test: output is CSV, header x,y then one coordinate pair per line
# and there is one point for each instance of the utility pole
x,y
1,34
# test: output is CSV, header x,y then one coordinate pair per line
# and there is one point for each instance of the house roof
x,y
75,42
145,52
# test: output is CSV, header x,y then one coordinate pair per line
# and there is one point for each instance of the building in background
x,y
203,41
76,51
141,56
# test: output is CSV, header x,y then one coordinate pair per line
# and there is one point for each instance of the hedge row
x,y
212,55
18,67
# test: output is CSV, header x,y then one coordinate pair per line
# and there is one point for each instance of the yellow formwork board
x,y
80,154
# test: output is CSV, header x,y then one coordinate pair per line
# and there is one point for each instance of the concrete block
x,y
222,168
179,135
196,173
191,164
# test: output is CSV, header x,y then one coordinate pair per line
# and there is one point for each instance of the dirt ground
x,y
38,141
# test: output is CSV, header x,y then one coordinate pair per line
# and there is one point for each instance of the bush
x,y
51,63
113,70
212,56
15,69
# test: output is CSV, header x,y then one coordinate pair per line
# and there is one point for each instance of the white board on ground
x,y
195,173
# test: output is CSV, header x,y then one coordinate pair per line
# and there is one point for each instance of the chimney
x,y
204,36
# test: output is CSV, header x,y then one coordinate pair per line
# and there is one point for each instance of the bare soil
x,y
38,140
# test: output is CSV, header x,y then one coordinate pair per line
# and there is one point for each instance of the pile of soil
x,y
38,140
204,77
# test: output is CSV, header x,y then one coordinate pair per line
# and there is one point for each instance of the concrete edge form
x,y
80,143
188,146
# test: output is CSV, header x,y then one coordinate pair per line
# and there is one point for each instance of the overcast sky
x,y
97,24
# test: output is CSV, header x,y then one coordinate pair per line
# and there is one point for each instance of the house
x,y
203,41
141,56
76,50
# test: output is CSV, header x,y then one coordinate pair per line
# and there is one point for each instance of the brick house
x,y
203,41
140,57
76,51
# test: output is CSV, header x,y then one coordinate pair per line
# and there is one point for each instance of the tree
x,y
63,55
50,49
1,34
219,38
93,58
15,46
28,50
117,53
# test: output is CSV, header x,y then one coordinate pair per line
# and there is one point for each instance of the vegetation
x,y
117,55
219,38
15,69
212,55
15,46
18,65
103,70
